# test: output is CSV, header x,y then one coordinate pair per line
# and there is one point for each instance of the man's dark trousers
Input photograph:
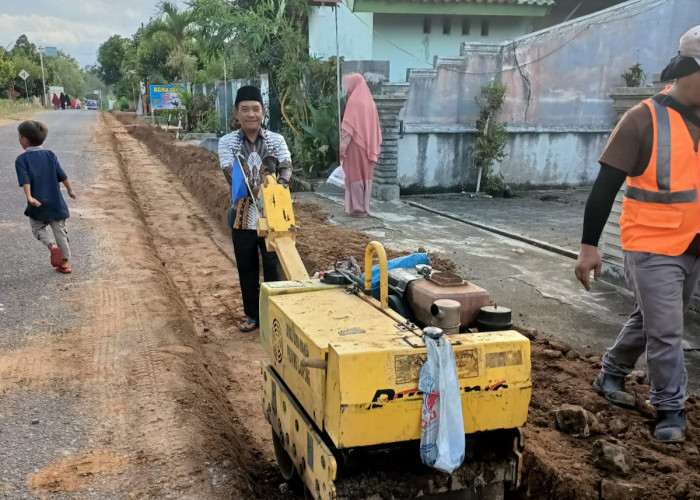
x,y
246,244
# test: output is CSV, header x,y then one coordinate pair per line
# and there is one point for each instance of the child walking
x,y
40,175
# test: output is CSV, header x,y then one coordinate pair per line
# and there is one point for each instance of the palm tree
x,y
176,25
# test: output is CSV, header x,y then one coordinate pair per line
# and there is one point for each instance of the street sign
x,y
23,75
50,51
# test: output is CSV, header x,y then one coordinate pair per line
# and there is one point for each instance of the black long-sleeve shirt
x,y
600,203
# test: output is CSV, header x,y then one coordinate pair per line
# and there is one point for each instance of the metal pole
x,y
225,99
26,92
43,82
337,72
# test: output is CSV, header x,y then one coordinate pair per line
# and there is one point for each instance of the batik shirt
x,y
245,212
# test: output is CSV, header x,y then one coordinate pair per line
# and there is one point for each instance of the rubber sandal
x,y
64,270
56,257
249,326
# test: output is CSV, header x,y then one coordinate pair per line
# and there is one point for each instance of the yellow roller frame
x,y
372,248
278,226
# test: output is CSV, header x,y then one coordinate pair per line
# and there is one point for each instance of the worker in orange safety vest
x,y
655,149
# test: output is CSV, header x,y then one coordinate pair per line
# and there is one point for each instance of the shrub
x,y
634,76
491,136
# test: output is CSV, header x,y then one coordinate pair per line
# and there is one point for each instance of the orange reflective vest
x,y
660,211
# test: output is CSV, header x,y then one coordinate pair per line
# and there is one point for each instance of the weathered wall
x,y
557,108
374,72
440,161
354,33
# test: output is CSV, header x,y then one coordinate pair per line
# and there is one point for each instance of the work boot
x,y
612,388
670,426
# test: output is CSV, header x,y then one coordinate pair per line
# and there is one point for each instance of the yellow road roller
x,y
340,388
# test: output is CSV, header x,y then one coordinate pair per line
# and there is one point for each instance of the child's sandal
x,y
56,257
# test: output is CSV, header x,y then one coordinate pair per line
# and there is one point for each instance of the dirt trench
x,y
156,365
556,465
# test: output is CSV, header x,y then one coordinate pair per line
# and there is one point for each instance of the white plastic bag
x,y
442,425
337,177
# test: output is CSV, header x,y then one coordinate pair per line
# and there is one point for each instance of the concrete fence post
x,y
389,104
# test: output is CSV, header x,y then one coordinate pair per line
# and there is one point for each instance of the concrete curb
x,y
530,241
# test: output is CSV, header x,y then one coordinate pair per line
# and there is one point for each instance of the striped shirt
x,y
267,144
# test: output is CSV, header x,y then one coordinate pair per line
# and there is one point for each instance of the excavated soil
x,y
74,473
556,465
556,462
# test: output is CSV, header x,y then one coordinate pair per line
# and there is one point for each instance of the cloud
x,y
77,31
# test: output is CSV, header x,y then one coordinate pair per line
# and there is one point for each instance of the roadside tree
x,y
110,57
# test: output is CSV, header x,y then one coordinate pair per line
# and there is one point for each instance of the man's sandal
x,y
249,325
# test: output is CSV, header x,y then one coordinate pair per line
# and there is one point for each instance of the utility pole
x,y
225,99
337,73
43,81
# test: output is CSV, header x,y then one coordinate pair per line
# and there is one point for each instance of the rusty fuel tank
x,y
422,293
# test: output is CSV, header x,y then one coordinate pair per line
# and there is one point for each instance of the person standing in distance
x,y
360,141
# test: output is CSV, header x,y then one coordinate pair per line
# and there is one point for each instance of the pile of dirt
x,y
556,464
319,244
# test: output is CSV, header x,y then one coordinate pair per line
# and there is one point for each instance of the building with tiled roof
x,y
411,33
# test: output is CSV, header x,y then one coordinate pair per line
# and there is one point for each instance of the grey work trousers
x,y
663,287
59,231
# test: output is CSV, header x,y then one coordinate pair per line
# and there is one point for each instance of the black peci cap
x,y
248,93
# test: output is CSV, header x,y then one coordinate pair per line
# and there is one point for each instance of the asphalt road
x,y
30,289
38,425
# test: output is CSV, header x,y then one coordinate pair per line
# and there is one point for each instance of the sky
x,y
78,27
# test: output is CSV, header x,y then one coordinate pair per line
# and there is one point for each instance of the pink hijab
x,y
361,120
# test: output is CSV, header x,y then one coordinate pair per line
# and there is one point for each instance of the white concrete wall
x,y
400,38
354,33
441,160
558,106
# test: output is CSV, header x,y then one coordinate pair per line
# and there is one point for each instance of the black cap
x,y
248,93
679,67
687,61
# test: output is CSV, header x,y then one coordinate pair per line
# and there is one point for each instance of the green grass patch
x,y
17,110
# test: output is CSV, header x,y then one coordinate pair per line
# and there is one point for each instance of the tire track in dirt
x,y
137,364
192,250
105,359
197,260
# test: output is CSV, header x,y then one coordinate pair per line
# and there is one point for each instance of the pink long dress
x,y
359,146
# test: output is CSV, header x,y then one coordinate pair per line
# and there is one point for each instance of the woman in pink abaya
x,y
359,145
